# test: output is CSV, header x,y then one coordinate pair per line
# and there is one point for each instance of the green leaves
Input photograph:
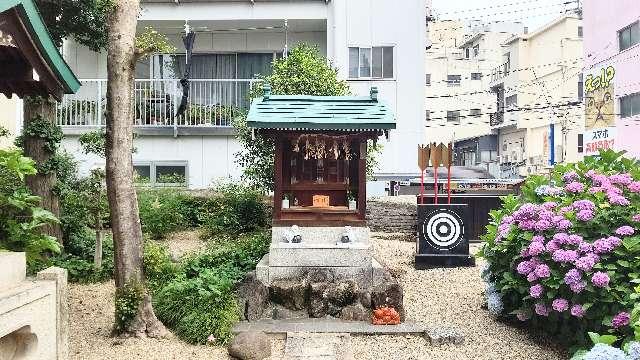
x,y
17,164
602,339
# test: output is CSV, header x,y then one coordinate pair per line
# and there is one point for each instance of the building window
x,y
454,80
475,113
580,143
161,173
428,79
453,116
511,101
374,62
629,36
476,51
581,87
630,105
467,51
580,31
476,76
427,115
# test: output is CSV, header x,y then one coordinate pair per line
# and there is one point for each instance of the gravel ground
x,y
439,296
184,242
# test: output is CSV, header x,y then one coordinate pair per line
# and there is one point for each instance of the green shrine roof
x,y
28,13
305,112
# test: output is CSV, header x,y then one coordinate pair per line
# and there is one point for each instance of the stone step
x,y
315,346
304,254
332,326
329,235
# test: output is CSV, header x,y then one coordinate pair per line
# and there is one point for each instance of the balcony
x,y
496,119
212,103
500,72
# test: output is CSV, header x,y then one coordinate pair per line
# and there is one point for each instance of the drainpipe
x,y
552,144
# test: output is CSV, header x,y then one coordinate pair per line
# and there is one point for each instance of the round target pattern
x,y
443,228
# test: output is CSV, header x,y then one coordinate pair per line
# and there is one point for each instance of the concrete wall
x,y
9,117
602,21
208,157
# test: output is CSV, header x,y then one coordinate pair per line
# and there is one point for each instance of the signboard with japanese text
x,y
597,139
600,119
320,201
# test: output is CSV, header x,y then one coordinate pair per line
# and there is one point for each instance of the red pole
x,y
449,184
421,187
435,185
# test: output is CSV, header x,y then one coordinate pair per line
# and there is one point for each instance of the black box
x,y
442,240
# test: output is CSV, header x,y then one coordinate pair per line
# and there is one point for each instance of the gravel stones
x,y
441,335
250,345
253,297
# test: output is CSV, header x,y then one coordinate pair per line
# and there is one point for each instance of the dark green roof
x,y
32,20
304,112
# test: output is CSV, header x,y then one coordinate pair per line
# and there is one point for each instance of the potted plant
x,y
285,201
352,196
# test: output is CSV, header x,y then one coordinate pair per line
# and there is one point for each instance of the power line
x,y
491,7
513,11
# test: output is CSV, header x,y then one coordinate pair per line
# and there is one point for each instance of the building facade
x,y
459,102
377,44
612,76
538,92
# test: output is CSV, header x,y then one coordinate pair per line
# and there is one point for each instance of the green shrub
x,y
158,267
128,300
200,301
564,256
236,209
161,212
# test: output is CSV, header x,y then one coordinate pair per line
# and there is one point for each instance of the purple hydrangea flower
x,y
614,241
565,256
600,179
585,263
522,316
584,247
619,200
560,305
578,287
542,271
585,215
537,238
612,190
583,205
634,187
595,189
605,352
525,267
574,187
572,276
527,224
624,230
552,246
600,279
570,176
577,311
621,179
636,218
564,225
542,225
536,291
550,205
507,220
634,350
565,209
532,277
603,246
590,173
536,248
620,320
524,252
561,238
541,309
574,239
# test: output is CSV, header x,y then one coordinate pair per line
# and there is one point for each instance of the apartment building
x,y
538,90
458,99
372,43
612,79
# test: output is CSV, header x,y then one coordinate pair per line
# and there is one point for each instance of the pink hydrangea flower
x,y
536,248
560,305
574,187
634,186
624,230
585,215
600,279
536,291
636,218
542,271
532,277
577,311
585,263
541,309
578,287
620,320
522,316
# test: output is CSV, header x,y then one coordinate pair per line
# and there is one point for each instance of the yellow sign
x,y
599,99
320,201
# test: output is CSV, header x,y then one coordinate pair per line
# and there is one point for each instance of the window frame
x,y
427,79
630,29
427,115
153,172
476,78
454,82
475,113
455,118
633,112
371,76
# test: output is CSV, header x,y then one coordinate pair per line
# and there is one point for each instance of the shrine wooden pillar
x,y
362,179
278,182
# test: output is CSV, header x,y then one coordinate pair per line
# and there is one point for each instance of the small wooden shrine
x,y
25,48
320,154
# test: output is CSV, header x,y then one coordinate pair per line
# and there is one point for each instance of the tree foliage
x,y
303,72
82,20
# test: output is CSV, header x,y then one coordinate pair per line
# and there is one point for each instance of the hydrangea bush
x,y
565,254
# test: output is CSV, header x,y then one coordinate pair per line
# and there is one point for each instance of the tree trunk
x,y
125,221
42,184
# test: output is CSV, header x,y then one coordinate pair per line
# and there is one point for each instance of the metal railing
x,y
211,102
500,72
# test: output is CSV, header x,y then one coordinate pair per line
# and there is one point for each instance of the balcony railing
x,y
500,72
496,118
210,103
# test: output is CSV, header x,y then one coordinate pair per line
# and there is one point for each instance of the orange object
x,y
385,316
320,201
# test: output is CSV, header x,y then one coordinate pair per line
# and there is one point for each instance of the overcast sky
x,y
533,13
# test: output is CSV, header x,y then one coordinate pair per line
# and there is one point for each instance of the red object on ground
x,y
385,316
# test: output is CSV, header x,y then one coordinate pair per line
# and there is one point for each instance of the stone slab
x,y
284,254
329,235
363,276
317,346
13,269
333,326
59,277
